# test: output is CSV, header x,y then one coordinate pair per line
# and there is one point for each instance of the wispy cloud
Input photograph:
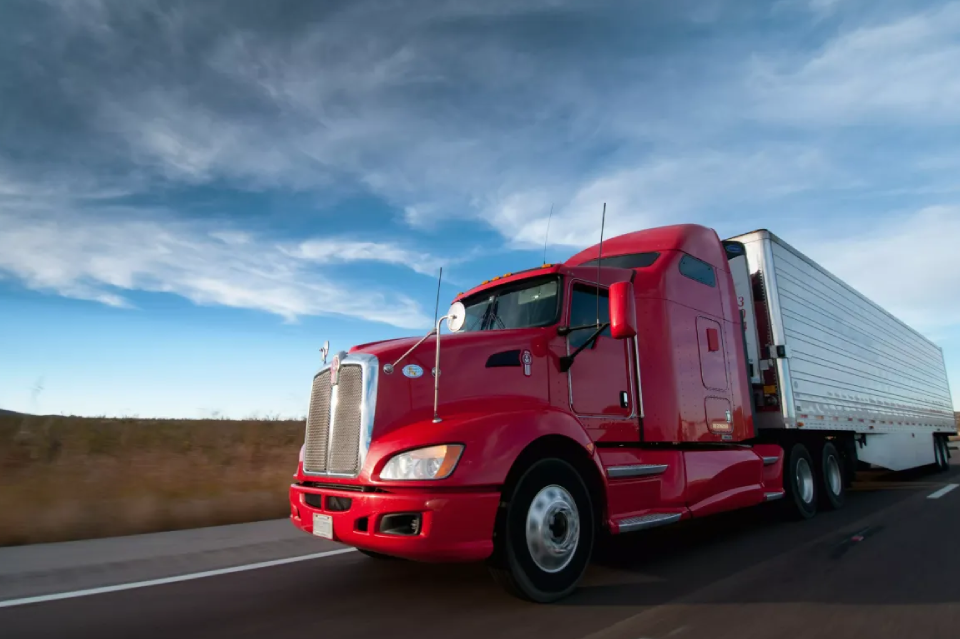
x,y
340,250
665,190
102,256
455,110
906,264
899,70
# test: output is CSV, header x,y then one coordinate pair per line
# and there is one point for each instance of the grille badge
x,y
335,370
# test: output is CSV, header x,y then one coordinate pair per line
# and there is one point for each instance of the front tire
x,y
800,484
545,536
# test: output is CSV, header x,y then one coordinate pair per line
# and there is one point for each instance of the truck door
x,y
713,372
601,380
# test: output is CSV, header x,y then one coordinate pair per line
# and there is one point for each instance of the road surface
x,y
883,567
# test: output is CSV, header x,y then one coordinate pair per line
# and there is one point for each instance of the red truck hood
x,y
479,370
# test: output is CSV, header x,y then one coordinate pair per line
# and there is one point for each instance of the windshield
x,y
526,304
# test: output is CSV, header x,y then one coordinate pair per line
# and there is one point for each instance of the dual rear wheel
x,y
941,453
813,480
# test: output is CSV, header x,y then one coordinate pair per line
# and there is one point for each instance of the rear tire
x,y
800,484
848,451
832,485
941,454
545,536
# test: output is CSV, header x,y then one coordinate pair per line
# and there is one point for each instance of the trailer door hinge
x,y
778,352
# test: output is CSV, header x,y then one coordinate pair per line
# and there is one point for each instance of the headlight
x,y
434,462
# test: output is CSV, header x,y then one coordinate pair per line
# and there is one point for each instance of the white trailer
x,y
827,361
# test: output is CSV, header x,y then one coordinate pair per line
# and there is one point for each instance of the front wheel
x,y
544,539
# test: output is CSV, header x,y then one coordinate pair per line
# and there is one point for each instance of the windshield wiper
x,y
491,313
497,318
566,330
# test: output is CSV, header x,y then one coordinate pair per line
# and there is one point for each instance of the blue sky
x,y
194,196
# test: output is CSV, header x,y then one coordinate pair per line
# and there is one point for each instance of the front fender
x,y
492,442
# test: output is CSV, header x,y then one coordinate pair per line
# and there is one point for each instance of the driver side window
x,y
583,311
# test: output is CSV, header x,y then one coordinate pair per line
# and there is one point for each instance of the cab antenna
x,y
436,309
603,221
547,236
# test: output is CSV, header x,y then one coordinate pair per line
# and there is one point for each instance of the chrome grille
x,y
345,434
335,422
318,426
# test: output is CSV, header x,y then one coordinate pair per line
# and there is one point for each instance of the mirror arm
x,y
388,368
567,360
436,374
566,330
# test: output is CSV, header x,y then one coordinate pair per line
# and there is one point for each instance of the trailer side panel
x,y
849,364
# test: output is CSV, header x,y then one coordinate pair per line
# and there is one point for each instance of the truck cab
x,y
612,393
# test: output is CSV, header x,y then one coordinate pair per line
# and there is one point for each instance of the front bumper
x,y
453,526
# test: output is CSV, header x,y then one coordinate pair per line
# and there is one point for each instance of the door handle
x,y
624,399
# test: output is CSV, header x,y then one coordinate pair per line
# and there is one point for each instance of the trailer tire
x,y
941,454
800,483
832,482
848,451
545,538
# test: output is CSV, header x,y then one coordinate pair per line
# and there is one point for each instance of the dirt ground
x,y
67,478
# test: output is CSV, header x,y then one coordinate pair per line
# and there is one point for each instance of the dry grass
x,y
68,478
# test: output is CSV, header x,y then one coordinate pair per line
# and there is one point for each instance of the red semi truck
x,y
669,376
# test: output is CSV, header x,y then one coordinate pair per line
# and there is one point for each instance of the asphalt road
x,y
883,567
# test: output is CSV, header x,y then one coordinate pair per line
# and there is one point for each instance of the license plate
x,y
323,526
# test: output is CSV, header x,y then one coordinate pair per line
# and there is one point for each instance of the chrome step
x,y
643,522
635,470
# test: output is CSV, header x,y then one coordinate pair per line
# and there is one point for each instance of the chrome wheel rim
x,y
834,478
553,529
805,481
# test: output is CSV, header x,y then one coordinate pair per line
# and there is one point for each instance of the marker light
x,y
433,462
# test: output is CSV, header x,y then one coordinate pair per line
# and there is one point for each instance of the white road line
x,y
943,491
169,580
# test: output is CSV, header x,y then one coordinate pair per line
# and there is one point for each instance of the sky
x,y
195,195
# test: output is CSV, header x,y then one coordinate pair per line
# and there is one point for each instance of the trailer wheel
x,y
800,483
832,484
848,450
941,454
545,538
